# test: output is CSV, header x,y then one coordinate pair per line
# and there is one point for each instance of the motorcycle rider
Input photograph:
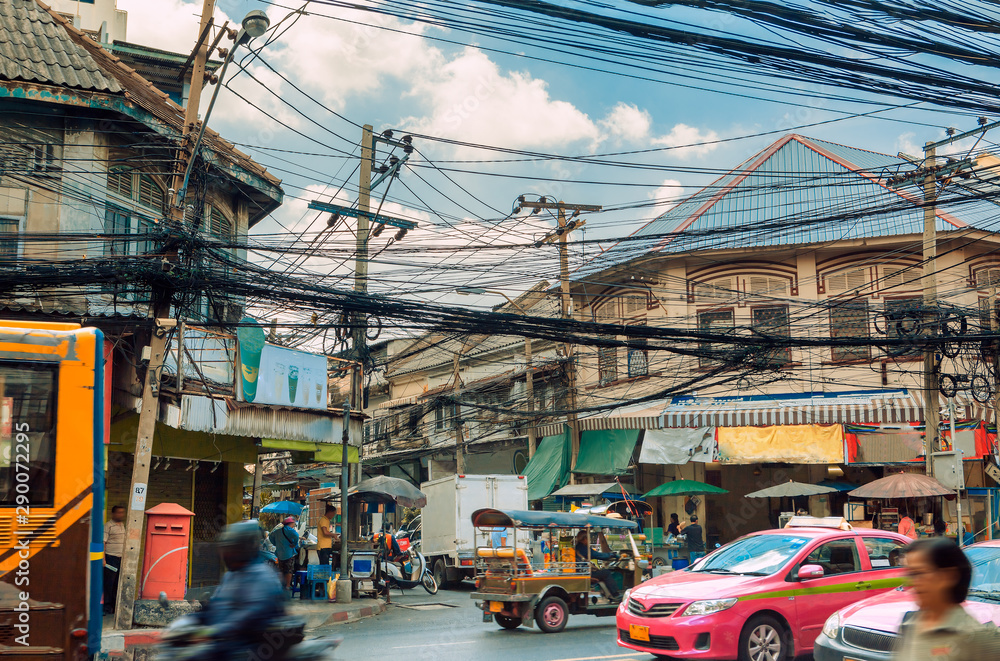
x,y
248,599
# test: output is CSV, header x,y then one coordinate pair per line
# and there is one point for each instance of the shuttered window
x,y
117,225
895,276
219,226
607,363
987,278
721,288
150,193
767,286
120,181
854,281
633,305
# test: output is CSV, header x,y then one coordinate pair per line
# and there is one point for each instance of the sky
x,y
353,67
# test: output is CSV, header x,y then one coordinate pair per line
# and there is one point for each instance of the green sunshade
x,y
607,452
549,468
684,488
329,452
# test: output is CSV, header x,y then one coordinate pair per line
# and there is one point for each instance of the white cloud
x,y
667,195
905,143
470,99
681,135
168,24
627,122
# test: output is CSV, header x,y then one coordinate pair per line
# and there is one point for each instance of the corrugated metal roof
x,y
34,48
797,191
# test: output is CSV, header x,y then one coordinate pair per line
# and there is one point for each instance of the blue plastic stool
x,y
317,590
679,563
298,581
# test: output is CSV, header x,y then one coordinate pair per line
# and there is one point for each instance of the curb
x,y
355,615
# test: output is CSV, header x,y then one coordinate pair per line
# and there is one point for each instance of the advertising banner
x,y
278,375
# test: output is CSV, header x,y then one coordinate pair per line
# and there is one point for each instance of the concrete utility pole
x,y
995,326
932,413
561,233
459,435
161,302
358,343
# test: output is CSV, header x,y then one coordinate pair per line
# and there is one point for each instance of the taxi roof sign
x,y
832,522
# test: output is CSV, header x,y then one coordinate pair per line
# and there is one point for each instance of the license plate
x,y
638,632
496,606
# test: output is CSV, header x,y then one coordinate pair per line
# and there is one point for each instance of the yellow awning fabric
x,y
791,444
330,452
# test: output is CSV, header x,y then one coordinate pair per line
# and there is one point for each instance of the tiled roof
x,y
35,48
37,42
797,191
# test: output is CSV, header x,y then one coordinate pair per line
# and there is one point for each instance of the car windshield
x,y
985,571
758,556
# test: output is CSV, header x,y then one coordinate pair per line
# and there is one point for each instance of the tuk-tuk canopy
x,y
491,518
619,507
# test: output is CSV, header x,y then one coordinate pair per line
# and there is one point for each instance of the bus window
x,y
27,412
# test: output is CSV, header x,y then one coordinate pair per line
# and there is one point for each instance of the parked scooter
x,y
283,640
403,567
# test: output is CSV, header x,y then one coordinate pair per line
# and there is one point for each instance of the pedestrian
x,y
802,512
498,538
907,527
325,535
286,546
940,528
695,539
939,575
114,547
675,525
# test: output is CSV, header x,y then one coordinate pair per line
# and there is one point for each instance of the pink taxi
x,y
867,630
763,597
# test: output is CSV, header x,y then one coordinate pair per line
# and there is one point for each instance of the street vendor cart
x,y
513,589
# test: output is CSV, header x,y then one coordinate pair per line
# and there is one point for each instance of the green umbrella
x,y
684,488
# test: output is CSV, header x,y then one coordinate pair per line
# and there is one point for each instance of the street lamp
x,y
254,24
528,379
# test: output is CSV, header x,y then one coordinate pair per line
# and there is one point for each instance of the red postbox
x,y
165,562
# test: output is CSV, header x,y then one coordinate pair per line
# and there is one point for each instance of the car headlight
x,y
626,594
709,606
831,628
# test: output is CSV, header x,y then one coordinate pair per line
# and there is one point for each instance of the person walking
x,y
286,547
114,547
939,574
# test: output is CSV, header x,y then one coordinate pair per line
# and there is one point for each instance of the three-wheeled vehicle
x,y
514,589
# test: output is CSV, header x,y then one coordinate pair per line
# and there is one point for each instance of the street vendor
x,y
582,548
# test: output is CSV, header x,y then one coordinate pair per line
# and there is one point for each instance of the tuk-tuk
x,y
516,589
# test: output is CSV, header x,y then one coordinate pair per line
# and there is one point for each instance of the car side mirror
x,y
807,572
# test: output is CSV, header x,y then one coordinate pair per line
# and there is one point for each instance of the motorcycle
x,y
403,567
283,640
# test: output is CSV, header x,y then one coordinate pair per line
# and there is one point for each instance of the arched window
x,y
150,193
120,181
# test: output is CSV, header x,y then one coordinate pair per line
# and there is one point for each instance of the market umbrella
x,y
684,488
902,485
393,488
282,507
790,489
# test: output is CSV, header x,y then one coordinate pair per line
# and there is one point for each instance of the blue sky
x,y
411,83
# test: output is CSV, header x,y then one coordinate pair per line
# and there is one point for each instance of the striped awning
x,y
880,407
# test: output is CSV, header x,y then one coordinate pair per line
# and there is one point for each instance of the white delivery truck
x,y
447,537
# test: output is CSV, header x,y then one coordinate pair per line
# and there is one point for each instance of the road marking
x,y
411,647
595,658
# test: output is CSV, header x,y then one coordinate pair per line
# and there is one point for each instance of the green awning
x,y
549,468
606,452
330,452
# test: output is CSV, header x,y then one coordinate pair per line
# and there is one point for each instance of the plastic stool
x,y
298,580
317,590
679,563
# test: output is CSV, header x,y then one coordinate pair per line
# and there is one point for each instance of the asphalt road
x,y
447,627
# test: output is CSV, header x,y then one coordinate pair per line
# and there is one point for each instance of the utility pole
x,y
995,326
932,413
160,303
561,233
459,435
929,174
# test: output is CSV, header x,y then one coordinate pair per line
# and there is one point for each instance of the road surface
x,y
447,627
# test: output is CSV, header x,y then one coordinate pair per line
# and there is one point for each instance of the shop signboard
x,y
993,471
278,375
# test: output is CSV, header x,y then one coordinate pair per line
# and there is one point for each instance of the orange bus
x,y
52,398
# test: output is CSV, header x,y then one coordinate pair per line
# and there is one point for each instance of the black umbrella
x,y
392,488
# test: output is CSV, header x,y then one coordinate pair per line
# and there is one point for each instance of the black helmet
x,y
239,543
